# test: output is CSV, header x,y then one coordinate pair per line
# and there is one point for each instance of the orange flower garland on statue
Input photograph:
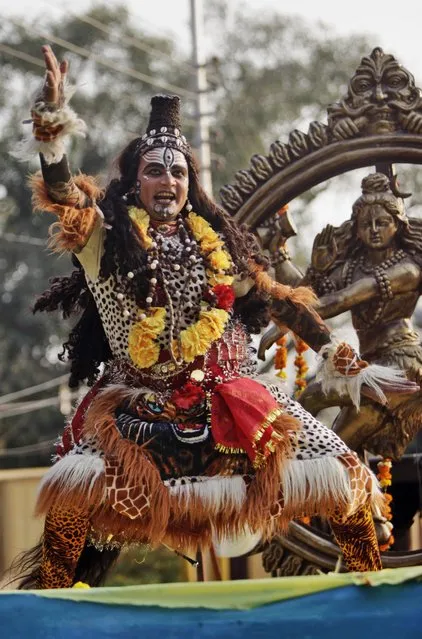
x,y
301,366
195,340
385,478
280,360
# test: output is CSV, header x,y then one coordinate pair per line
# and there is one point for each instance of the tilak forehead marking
x,y
166,156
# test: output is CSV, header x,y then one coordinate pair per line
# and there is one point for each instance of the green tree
x,y
275,73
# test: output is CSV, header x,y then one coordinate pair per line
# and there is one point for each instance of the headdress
x,y
163,129
376,189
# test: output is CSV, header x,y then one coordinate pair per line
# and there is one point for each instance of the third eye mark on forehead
x,y
167,157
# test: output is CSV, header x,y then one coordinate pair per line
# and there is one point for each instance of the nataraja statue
x,y
178,441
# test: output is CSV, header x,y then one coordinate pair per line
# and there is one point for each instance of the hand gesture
x,y
324,250
52,91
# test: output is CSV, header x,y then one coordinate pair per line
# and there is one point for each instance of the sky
x,y
394,25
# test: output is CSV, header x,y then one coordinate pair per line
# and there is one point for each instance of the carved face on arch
x,y
380,90
164,183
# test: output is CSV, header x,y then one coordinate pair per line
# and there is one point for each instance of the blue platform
x,y
371,605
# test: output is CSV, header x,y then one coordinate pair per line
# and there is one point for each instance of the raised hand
x,y
324,250
52,91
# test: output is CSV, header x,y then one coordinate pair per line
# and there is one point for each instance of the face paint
x,y
165,156
163,176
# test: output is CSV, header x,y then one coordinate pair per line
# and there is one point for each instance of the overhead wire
x,y
16,53
29,407
32,390
21,55
86,53
126,39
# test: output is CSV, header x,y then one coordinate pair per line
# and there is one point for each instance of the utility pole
x,y
202,109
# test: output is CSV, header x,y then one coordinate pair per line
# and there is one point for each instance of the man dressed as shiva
x,y
179,440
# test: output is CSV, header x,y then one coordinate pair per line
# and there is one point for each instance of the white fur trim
x,y
305,483
216,493
236,546
74,472
53,150
378,378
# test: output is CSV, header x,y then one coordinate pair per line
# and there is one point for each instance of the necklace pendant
x,y
166,229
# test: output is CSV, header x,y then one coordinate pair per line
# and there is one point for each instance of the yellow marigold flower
x,y
144,355
140,218
155,321
193,343
219,278
220,259
204,233
199,226
142,348
214,321
209,244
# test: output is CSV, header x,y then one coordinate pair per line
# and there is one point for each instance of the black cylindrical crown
x,y
165,112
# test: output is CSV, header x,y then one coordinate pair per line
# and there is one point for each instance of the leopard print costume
x,y
65,534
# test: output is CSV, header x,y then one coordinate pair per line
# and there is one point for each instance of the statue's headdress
x,y
376,189
164,126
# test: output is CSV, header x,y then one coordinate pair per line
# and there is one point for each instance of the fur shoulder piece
x,y
74,225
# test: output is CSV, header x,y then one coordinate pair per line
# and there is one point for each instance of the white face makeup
x,y
165,156
164,180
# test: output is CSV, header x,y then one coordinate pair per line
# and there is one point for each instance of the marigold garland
x,y
195,340
385,479
280,360
140,219
301,367
144,351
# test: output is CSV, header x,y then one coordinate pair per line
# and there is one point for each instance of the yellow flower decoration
x,y
210,244
196,339
82,585
154,323
140,218
220,260
200,227
142,348
219,278
193,342
214,321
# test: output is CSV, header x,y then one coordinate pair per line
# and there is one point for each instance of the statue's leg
x,y
314,400
355,428
357,540
65,534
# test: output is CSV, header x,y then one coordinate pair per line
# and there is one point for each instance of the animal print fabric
x,y
65,533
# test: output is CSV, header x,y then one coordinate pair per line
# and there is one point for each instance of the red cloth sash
x,y
242,413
